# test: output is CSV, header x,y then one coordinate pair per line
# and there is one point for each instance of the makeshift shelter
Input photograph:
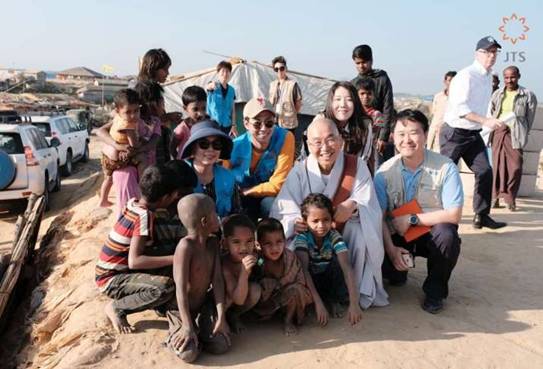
x,y
251,79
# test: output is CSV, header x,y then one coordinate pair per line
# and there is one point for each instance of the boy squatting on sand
x,y
325,259
284,286
264,286
196,266
124,250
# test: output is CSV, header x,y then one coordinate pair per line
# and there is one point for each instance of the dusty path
x,y
493,317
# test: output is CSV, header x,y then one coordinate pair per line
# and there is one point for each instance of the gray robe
x,y
362,232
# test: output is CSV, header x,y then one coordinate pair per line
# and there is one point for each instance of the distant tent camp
x,y
252,79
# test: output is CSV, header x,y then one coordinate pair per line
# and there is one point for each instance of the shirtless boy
x,y
196,267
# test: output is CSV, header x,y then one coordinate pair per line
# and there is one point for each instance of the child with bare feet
x,y
127,130
242,291
124,252
284,287
200,322
325,259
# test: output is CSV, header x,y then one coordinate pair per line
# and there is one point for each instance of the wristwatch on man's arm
x,y
413,220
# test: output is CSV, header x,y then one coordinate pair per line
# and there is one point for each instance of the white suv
x,y
28,163
73,138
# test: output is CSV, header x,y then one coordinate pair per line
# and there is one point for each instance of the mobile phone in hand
x,y
409,260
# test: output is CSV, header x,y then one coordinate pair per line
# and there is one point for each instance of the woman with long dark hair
x,y
155,66
344,107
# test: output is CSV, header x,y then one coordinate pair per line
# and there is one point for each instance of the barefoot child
x,y
200,323
283,284
124,252
194,103
325,259
242,292
126,131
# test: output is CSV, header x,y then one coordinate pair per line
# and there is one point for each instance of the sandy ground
x,y
492,319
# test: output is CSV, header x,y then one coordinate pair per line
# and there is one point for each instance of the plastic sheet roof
x,y
251,79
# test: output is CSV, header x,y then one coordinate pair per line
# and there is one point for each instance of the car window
x,y
11,143
42,139
63,126
73,126
45,128
35,138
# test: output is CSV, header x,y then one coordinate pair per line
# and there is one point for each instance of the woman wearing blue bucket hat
x,y
206,146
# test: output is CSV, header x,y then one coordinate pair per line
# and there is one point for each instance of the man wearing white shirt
x,y
466,115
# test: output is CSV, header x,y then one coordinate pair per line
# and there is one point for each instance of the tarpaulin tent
x,y
251,79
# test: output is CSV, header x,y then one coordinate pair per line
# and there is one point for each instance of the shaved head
x,y
192,208
321,123
324,142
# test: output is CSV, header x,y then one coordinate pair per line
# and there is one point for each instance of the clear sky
x,y
416,42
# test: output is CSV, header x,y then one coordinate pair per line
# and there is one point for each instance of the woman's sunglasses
x,y
205,144
277,69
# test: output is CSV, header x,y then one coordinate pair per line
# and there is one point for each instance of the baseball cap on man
x,y
487,42
256,106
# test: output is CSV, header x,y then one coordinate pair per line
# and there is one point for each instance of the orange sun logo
x,y
514,28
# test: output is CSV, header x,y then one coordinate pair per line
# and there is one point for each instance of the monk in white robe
x,y
321,172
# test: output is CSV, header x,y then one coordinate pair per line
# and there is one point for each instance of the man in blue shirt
x,y
434,182
221,100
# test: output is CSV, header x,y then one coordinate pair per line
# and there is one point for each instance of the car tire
x,y
57,186
68,166
7,170
85,157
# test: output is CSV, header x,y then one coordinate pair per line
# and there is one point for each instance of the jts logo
x,y
514,29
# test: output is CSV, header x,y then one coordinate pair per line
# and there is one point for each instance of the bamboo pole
x,y
20,252
22,219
